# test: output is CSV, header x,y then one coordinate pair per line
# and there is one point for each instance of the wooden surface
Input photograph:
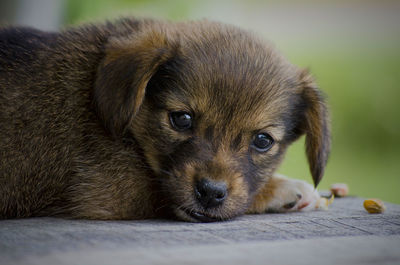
x,y
345,234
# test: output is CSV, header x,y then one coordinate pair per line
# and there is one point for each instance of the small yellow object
x,y
323,203
374,206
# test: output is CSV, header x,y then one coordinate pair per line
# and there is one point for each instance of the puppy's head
x,y
213,108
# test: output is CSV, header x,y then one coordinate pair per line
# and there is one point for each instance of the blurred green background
x,y
352,47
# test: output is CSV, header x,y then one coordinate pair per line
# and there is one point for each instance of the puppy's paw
x,y
281,194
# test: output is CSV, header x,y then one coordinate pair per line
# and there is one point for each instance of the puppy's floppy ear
x,y
315,125
123,75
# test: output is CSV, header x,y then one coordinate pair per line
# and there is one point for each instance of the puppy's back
x,y
49,132
44,99
26,130
20,46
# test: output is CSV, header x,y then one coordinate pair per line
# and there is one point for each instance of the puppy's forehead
x,y
232,75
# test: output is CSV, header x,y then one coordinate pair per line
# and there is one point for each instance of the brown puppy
x,y
140,118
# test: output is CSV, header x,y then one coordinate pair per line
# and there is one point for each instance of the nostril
x,y
209,193
220,191
220,194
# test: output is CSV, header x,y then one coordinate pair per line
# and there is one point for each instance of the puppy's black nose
x,y
210,194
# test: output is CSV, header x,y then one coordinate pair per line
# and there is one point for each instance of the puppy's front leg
x,y
281,194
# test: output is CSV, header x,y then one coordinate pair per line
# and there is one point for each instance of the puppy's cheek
x,y
268,157
268,162
274,151
153,161
179,183
238,196
154,152
238,186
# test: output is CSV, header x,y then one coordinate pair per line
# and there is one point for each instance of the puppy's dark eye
x,y
262,142
180,120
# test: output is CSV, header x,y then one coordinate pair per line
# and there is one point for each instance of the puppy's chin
x,y
196,216
200,215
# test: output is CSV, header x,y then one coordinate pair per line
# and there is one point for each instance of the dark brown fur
x,y
84,127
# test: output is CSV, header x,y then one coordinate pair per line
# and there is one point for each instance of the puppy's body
x,y
85,120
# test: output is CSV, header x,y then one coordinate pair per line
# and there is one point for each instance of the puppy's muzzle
x,y
210,194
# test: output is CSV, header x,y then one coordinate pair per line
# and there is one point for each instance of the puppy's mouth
x,y
196,216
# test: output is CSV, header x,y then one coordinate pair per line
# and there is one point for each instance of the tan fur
x,y
265,195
